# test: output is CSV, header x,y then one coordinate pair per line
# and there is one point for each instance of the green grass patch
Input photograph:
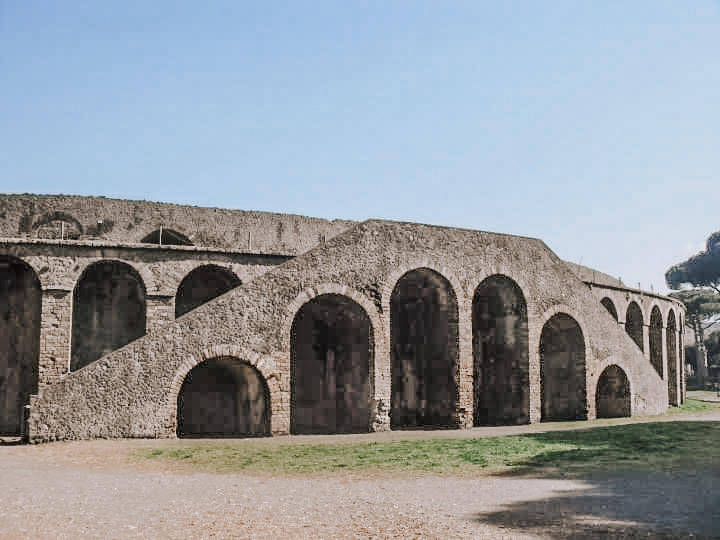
x,y
694,406
659,446
652,446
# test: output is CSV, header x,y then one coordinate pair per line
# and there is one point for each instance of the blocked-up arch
x,y
634,324
108,311
671,346
424,347
562,369
57,226
613,398
608,304
223,397
201,285
20,308
166,237
656,325
331,348
500,353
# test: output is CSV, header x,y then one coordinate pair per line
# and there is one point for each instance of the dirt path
x,y
92,489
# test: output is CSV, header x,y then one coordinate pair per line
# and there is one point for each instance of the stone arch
x,y
223,397
166,237
57,226
265,365
562,369
613,397
109,311
610,306
500,353
202,285
671,347
331,352
634,324
656,344
20,314
424,350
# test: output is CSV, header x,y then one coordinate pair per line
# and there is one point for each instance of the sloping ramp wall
x,y
132,392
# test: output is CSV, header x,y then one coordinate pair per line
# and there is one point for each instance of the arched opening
x,y
108,311
608,304
634,324
201,285
166,237
58,226
562,369
331,357
671,346
424,335
223,397
20,308
613,393
656,325
500,353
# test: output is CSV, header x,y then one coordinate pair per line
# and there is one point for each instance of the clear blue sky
x,y
592,125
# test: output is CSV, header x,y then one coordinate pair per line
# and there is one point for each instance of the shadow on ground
x,y
637,481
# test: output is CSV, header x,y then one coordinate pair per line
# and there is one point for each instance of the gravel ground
x,y
92,489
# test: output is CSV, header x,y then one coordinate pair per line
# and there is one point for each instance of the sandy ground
x,y
93,489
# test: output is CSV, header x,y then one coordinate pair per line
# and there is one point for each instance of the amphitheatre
x,y
124,319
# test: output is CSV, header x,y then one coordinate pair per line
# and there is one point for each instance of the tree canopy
x,y
700,304
701,270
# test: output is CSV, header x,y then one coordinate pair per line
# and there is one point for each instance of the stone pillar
x,y
534,334
464,379
646,339
55,334
680,367
382,381
160,310
683,382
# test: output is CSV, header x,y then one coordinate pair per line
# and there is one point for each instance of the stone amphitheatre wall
x,y
120,222
133,391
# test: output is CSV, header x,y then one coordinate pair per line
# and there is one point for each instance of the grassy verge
x,y
650,445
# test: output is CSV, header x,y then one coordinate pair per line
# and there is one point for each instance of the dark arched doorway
x,y
424,329
613,394
671,346
201,285
500,353
20,307
223,397
634,324
166,237
656,325
608,304
562,369
108,311
331,357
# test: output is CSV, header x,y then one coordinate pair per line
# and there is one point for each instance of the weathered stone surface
x,y
133,391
